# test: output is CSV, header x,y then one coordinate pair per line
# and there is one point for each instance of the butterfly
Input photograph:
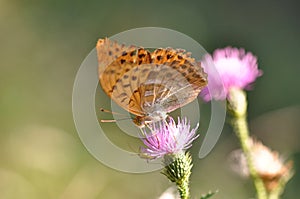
x,y
148,84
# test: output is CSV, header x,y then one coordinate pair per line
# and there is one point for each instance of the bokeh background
x,y
42,46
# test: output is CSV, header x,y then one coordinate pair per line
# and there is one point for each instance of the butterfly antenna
x,y
111,112
121,119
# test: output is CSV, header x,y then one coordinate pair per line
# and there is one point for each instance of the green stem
x,y
184,190
275,194
237,104
241,129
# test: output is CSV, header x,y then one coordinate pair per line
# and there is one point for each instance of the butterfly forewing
x,y
118,72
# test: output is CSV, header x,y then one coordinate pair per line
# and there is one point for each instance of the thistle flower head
x,y
168,138
228,68
270,167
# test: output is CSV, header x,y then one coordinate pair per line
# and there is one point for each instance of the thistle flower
x,y
228,68
170,141
270,167
168,138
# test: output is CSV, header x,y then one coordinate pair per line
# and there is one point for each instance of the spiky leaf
x,y
208,195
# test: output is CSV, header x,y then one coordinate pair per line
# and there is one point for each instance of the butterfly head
x,y
156,116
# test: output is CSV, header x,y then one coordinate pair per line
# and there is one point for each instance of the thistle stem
x,y
275,194
241,129
237,104
184,190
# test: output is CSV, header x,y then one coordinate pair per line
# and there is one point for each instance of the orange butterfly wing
x,y
119,73
143,83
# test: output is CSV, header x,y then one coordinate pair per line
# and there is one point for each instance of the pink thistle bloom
x,y
168,138
228,68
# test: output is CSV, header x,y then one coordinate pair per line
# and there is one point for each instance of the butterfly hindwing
x,y
181,75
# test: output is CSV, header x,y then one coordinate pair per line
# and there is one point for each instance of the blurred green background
x,y
42,46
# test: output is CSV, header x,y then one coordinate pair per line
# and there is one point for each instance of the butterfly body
x,y
148,85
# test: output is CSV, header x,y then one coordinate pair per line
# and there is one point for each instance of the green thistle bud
x,y
178,170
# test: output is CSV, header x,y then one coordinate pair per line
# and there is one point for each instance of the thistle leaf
x,y
209,194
